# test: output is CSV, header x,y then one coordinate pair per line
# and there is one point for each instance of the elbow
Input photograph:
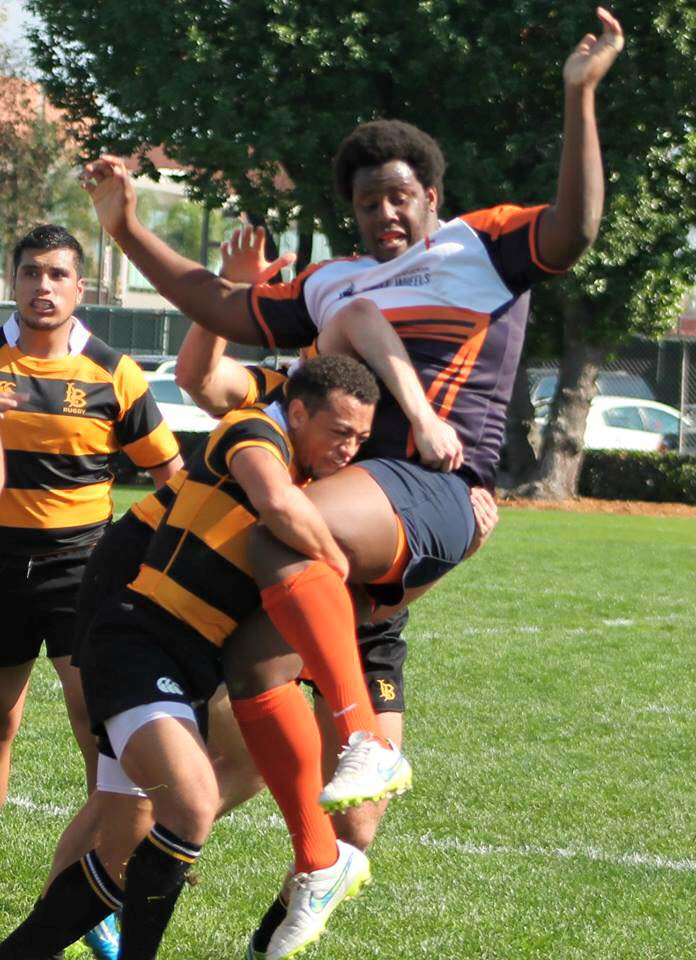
x,y
184,377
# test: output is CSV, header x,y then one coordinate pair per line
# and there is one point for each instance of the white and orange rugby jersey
x,y
60,444
459,299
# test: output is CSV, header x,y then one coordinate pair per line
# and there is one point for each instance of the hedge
x,y
634,475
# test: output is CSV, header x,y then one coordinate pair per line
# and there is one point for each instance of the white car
x,y
179,411
628,423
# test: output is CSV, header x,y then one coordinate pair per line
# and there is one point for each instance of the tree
x,y
234,88
37,180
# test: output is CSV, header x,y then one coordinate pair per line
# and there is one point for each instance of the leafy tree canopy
x,y
226,87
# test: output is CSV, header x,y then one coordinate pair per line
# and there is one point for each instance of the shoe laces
x,y
352,757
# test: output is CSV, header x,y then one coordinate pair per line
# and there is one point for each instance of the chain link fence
x,y
663,371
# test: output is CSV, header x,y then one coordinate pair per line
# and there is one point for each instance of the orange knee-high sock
x,y
279,729
313,612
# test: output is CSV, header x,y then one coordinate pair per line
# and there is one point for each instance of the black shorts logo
x,y
167,685
387,690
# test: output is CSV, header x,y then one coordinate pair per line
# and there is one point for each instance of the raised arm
x,y
570,226
216,382
360,329
216,304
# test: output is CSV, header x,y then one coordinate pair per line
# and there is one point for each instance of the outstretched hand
x,y
593,57
244,257
107,182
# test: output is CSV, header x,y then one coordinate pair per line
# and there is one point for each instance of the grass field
x,y
551,721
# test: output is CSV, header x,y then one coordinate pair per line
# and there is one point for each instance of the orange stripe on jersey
x,y
27,431
56,509
457,372
430,312
158,447
150,509
277,291
256,444
211,515
184,605
498,221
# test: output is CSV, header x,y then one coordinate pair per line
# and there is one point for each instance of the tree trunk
x,y
305,238
522,439
558,469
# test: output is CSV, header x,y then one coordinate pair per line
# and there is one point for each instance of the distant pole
x,y
684,392
205,236
100,267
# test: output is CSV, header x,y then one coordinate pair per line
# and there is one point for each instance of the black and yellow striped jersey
x,y
60,444
196,566
266,386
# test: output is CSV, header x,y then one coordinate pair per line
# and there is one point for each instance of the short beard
x,y
43,325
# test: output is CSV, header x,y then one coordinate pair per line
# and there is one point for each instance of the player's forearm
x,y
217,383
369,336
216,304
295,521
571,225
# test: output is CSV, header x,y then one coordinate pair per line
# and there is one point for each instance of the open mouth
x,y
391,238
42,306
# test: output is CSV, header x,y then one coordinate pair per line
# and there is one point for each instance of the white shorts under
x,y
111,777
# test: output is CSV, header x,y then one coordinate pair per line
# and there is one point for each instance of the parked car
x,y
616,383
629,423
178,409
157,362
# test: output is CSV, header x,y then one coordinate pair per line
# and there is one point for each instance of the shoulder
x,y
104,356
501,219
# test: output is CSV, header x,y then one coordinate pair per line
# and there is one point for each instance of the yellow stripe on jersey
x,y
59,446
257,444
196,567
210,622
158,447
28,509
22,432
151,508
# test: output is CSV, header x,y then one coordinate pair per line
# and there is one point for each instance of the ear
x,y
298,414
433,198
80,289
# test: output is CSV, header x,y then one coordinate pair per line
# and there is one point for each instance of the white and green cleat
x,y
314,897
367,770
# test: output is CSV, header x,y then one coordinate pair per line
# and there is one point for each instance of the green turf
x,y
551,724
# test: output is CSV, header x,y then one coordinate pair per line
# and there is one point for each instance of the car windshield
x,y
611,383
167,391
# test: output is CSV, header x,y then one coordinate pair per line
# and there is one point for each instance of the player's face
x,y
329,438
47,287
392,208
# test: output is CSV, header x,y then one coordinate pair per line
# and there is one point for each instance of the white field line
x,y
557,853
244,820
52,809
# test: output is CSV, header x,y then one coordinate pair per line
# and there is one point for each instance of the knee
x,y
10,721
189,816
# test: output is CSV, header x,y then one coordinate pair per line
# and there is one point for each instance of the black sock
x,y
77,900
154,878
271,919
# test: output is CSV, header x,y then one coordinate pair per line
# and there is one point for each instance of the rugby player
x,y
457,294
82,401
151,657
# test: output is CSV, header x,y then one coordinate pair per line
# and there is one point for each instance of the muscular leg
x,y
14,684
237,776
357,825
77,715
